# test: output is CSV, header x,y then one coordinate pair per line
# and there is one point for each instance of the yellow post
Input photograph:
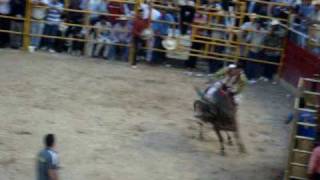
x,y
27,22
88,47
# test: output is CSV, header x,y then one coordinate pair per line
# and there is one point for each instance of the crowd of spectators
x,y
109,28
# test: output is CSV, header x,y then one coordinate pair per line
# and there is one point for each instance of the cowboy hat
x,y
147,34
169,44
275,22
253,16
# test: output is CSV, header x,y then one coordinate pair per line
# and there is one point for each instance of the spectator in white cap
x,y
274,39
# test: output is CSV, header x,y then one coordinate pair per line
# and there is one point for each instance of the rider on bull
x,y
233,79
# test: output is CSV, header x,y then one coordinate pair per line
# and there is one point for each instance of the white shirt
x,y
155,14
5,7
39,13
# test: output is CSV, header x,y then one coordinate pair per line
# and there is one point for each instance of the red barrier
x,y
299,62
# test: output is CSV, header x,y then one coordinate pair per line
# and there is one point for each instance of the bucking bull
x,y
216,106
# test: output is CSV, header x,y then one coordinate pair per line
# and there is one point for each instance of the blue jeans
x,y
37,29
49,30
253,70
124,51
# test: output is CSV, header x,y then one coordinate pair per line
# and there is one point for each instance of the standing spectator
x,y
154,15
103,34
216,64
275,40
75,31
160,29
95,6
17,10
48,160
4,22
139,25
305,12
187,12
51,28
253,34
115,8
121,34
38,14
196,46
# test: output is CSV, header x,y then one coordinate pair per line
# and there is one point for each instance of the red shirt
x,y
139,25
115,8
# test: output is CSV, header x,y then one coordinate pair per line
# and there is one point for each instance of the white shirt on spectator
x,y
4,7
155,14
39,13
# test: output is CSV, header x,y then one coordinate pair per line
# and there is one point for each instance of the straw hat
x,y
275,22
169,44
147,34
122,18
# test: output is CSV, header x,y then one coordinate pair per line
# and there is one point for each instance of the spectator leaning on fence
x,y
305,11
55,9
103,37
161,29
4,22
120,34
17,10
38,14
252,33
187,13
273,39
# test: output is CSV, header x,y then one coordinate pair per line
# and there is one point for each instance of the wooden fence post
x,y
26,26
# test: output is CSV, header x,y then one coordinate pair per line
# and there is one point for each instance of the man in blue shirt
x,y
47,160
161,29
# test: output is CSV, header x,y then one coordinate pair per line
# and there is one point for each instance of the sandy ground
x,y
116,123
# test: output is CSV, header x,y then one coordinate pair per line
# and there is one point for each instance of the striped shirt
x,y
54,12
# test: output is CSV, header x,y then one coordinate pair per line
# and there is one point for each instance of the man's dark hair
x,y
49,140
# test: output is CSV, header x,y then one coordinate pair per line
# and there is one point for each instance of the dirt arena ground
x,y
116,123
